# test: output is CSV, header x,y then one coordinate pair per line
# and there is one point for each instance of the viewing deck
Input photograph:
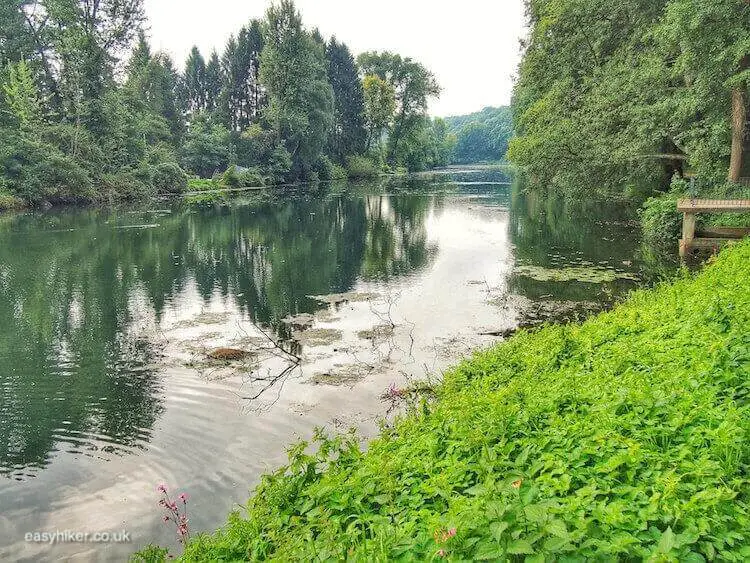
x,y
716,236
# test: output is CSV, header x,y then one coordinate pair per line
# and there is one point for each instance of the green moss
x,y
626,437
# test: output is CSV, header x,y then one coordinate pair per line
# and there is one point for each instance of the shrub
x,y
231,178
279,166
660,221
37,171
328,170
168,177
128,185
236,177
8,200
251,178
206,149
151,554
358,167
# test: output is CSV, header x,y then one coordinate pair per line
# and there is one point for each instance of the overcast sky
x,y
472,46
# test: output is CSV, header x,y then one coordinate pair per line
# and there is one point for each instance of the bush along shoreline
x,y
624,437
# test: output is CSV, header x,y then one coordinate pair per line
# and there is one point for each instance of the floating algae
x,y
342,375
299,322
317,336
376,333
349,297
586,274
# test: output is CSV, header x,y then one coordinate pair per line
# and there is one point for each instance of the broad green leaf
x,y
497,529
520,547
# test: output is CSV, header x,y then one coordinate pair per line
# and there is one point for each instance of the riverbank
x,y
624,436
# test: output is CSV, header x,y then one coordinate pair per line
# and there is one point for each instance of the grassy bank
x,y
625,437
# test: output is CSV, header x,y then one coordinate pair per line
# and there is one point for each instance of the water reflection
x,y
589,238
75,287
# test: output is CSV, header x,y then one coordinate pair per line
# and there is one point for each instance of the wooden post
x,y
688,233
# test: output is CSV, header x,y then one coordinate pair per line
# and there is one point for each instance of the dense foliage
x,y
396,92
89,112
482,136
625,437
622,94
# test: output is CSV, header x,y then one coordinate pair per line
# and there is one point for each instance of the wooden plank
x,y
709,242
723,232
713,205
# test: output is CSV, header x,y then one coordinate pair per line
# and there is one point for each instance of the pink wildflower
x,y
162,488
183,497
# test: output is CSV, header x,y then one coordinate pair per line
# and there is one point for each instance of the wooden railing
x,y
714,237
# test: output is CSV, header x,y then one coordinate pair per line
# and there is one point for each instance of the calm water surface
x,y
106,389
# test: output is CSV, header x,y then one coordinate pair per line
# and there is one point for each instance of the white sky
x,y
472,46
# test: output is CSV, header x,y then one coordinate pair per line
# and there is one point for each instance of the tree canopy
x,y
482,136
625,94
89,111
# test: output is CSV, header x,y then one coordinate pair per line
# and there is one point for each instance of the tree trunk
x,y
739,115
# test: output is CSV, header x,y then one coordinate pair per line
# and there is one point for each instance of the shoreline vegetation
x,y
622,437
89,113
644,98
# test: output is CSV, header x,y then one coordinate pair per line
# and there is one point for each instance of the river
x,y
109,318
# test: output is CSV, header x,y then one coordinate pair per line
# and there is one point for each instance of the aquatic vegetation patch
x,y
348,297
299,322
342,374
317,336
205,318
626,437
535,313
585,274
378,332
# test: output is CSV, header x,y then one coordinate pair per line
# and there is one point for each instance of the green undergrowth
x,y
623,438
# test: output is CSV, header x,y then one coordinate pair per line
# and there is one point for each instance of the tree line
x,y
88,111
482,136
624,95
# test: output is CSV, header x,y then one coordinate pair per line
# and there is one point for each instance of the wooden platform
x,y
716,235
713,205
